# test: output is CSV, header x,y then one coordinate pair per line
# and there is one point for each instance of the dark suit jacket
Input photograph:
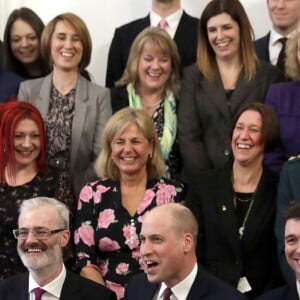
x,y
75,287
92,111
287,292
205,116
205,287
262,47
220,249
185,39
1,53
9,85
288,193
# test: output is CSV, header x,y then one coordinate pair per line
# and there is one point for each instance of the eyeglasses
x,y
39,233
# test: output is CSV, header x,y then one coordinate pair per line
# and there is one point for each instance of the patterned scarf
x,y
170,118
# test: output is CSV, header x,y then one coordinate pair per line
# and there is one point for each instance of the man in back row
x,y
42,234
181,27
292,253
168,249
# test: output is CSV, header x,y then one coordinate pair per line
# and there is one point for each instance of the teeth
x,y
65,54
34,250
154,74
244,146
128,158
223,44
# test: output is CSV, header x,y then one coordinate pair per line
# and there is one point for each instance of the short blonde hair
x,y
158,38
292,67
105,166
80,27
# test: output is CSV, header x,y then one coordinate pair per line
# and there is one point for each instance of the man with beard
x,y
42,234
284,15
167,14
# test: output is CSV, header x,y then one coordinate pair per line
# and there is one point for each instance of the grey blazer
x,y
92,111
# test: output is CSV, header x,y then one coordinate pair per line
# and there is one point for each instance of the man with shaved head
x,y
168,249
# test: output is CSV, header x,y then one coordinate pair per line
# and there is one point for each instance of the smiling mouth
x,y
66,54
243,146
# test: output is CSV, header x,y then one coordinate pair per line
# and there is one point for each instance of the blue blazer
x,y
125,35
205,287
75,287
9,85
287,292
262,47
92,111
284,97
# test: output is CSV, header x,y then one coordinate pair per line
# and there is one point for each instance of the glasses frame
x,y
16,233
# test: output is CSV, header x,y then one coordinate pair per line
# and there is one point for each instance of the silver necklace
x,y
235,198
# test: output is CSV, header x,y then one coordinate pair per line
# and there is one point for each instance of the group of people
x,y
171,170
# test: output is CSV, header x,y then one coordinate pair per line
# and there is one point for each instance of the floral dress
x,y
55,184
107,236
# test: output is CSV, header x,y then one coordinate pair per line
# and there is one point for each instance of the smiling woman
x,y
235,207
24,174
74,109
111,210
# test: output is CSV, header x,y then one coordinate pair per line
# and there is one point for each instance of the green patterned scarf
x,y
170,118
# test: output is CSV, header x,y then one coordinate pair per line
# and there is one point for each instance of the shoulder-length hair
x,y
105,166
80,27
206,59
11,113
292,66
270,125
31,18
155,37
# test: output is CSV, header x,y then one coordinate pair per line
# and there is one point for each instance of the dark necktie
x,y
281,57
167,294
38,292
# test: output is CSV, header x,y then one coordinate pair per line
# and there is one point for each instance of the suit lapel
x,y
226,212
261,212
199,287
44,95
79,117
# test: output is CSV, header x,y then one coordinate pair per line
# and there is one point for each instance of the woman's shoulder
x,y
91,86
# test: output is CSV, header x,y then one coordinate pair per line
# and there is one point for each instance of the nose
x,y
24,42
244,133
155,63
27,142
127,147
31,237
145,248
68,43
220,33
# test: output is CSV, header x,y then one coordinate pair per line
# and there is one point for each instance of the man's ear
x,y
65,237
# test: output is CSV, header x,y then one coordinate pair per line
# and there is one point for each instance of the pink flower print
x,y
131,238
82,255
117,288
165,193
101,189
106,217
106,244
147,199
122,268
103,267
86,233
136,253
86,194
76,237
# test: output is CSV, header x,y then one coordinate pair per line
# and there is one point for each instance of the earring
x,y
150,155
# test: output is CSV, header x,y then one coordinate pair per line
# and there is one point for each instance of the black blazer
x,y
220,249
75,287
185,39
205,287
262,47
205,116
287,292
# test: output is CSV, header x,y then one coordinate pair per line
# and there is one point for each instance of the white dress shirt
x,y
173,21
53,288
181,290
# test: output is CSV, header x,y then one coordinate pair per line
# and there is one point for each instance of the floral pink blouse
x,y
107,236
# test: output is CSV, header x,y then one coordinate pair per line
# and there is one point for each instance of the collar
x,y
173,19
275,36
181,289
54,287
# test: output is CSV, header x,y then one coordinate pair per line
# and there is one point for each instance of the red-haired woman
x,y
24,174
